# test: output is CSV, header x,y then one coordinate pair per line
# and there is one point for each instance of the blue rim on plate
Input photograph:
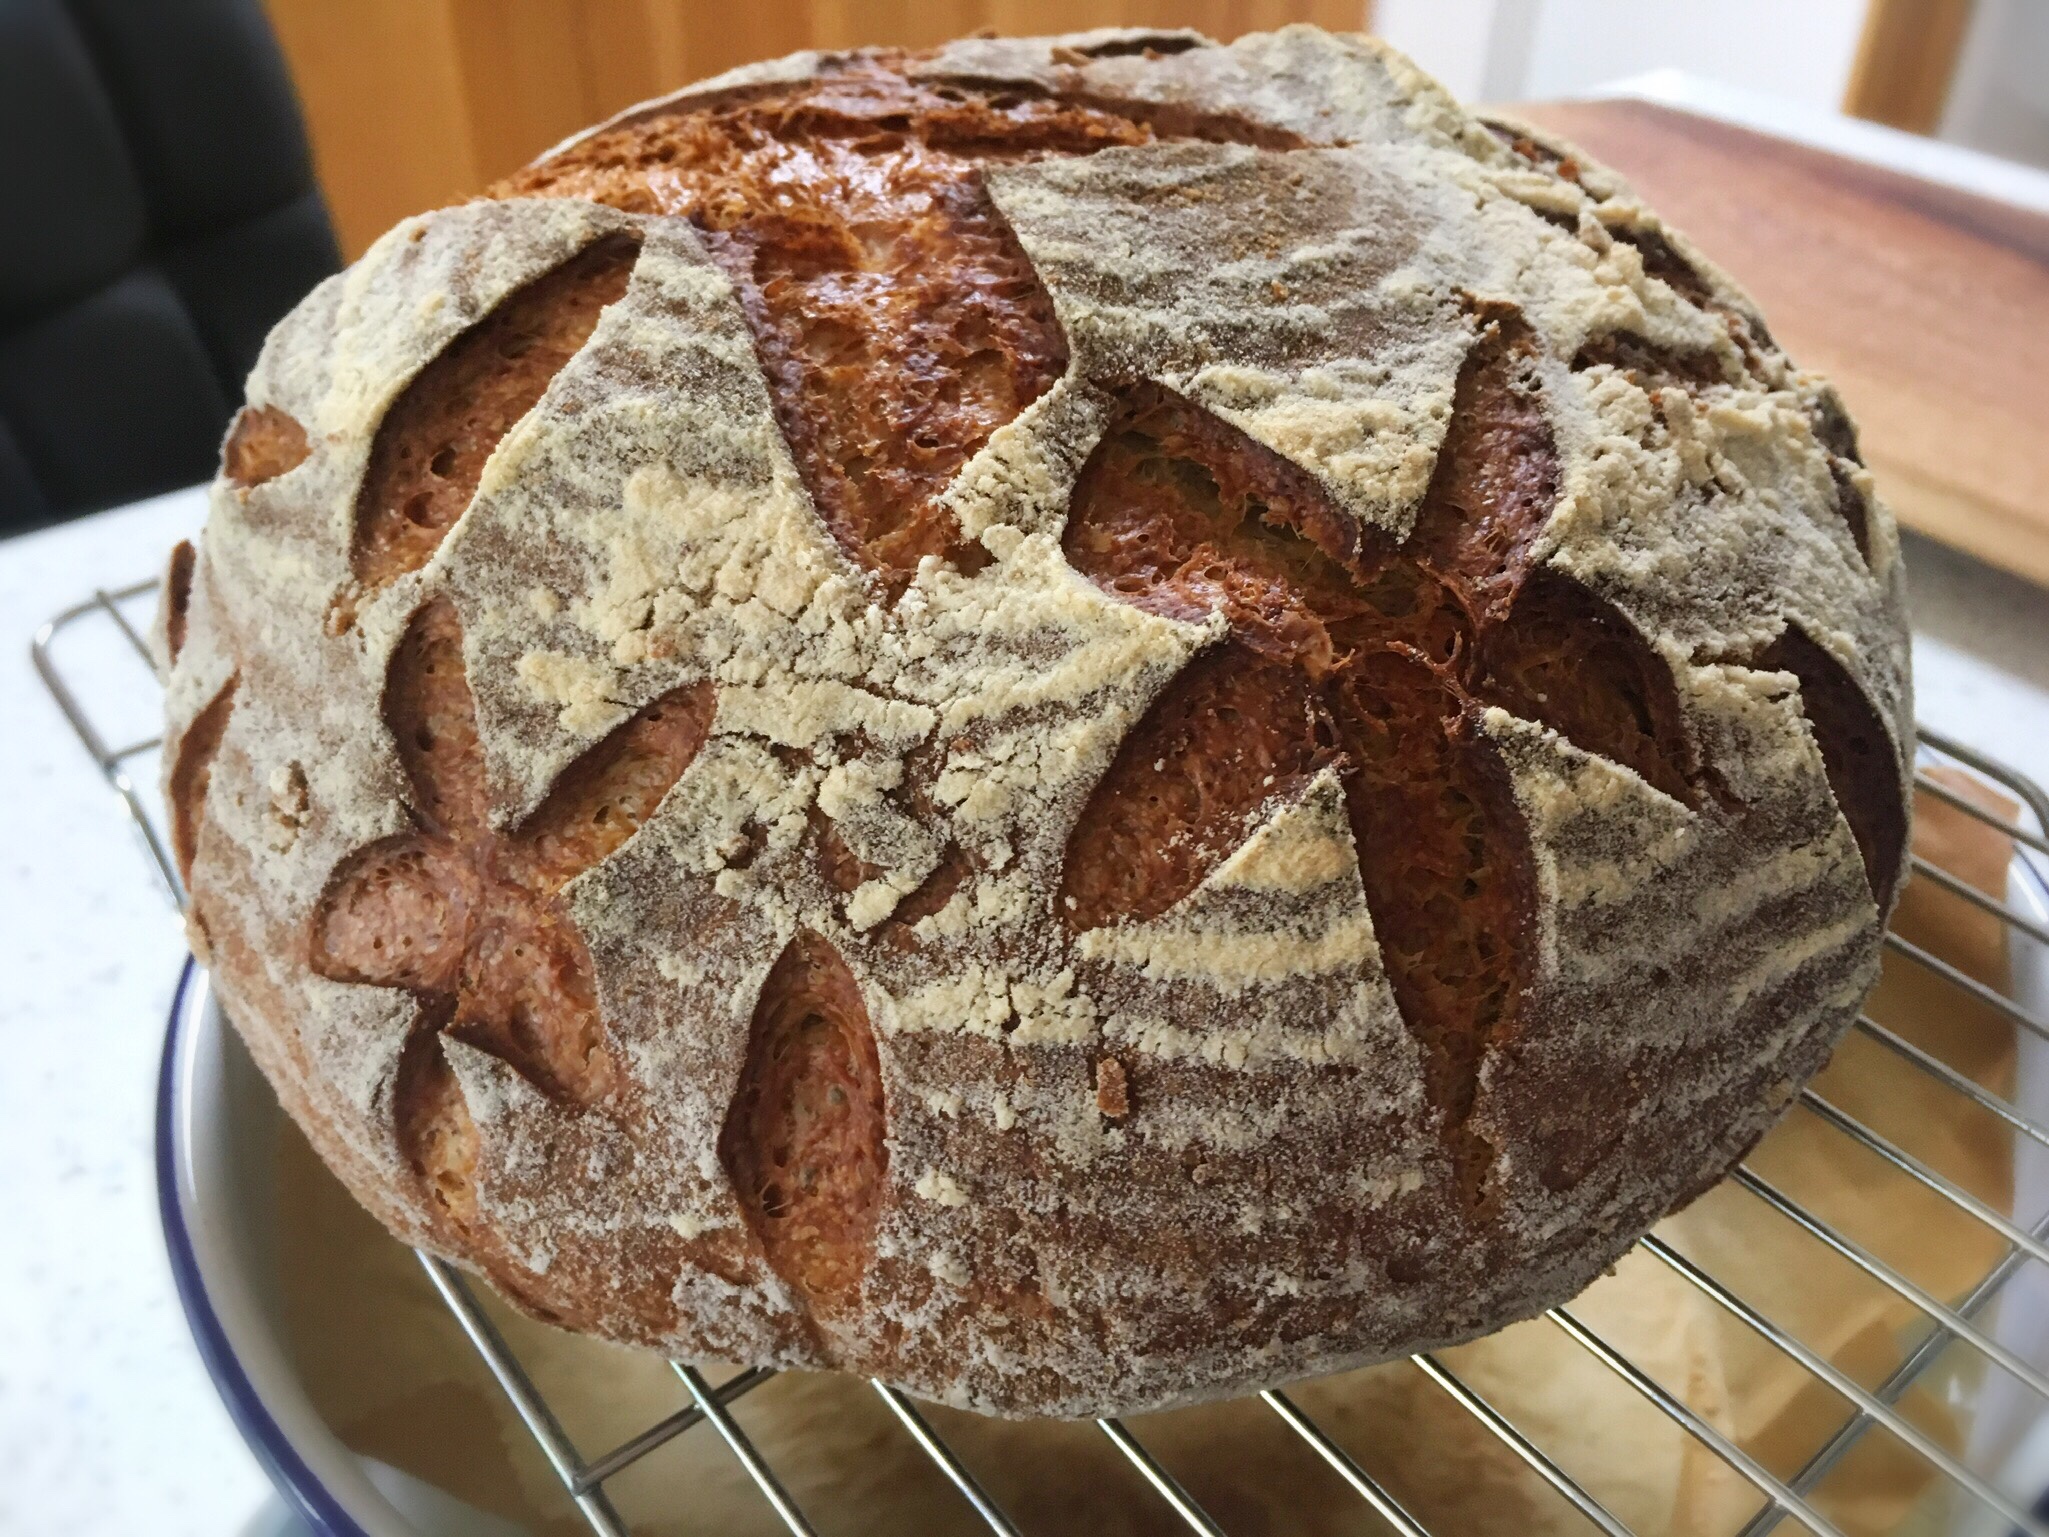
x,y
309,1498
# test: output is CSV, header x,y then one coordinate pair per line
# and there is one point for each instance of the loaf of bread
x,y
1080,722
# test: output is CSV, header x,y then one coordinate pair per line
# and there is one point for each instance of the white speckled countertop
x,y
107,1420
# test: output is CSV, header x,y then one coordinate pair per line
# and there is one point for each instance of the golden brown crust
x,y
1856,750
191,770
431,447
1086,723
1231,737
804,1140
1386,659
897,322
263,443
177,600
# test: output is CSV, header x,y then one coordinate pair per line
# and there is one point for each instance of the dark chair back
x,y
158,213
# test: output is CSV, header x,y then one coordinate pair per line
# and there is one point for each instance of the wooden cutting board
x,y
1927,306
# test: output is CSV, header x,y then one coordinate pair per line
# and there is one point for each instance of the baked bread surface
x,y
1081,722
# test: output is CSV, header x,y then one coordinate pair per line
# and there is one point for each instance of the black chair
x,y
158,213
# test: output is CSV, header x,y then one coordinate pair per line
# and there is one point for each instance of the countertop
x,y
107,1420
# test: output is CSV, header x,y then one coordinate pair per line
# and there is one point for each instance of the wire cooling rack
x,y
113,614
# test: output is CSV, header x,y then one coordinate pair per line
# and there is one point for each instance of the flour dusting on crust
x,y
1054,1235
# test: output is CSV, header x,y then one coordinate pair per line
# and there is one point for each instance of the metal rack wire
x,y
1781,1499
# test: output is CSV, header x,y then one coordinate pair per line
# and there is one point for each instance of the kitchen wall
x,y
1999,99
1508,50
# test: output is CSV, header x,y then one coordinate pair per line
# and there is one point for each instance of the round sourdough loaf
x,y
1080,722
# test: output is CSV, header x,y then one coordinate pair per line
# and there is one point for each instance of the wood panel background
x,y
412,104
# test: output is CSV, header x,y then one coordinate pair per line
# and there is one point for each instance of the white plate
x,y
217,1136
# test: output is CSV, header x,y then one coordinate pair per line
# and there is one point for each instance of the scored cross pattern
x,y
469,918
1347,648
